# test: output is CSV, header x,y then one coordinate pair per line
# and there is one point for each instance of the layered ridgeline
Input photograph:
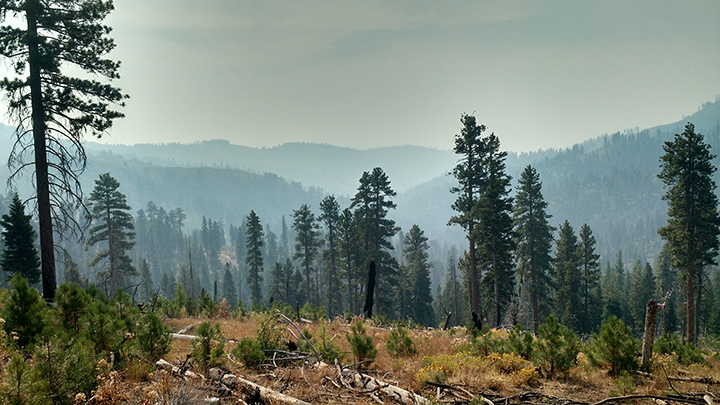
x,y
609,182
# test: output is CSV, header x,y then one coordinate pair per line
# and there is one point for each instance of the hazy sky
x,y
375,73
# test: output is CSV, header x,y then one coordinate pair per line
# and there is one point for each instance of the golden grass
x,y
438,360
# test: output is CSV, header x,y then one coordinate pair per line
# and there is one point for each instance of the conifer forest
x,y
210,272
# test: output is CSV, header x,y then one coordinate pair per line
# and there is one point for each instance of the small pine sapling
x,y
362,346
208,348
520,342
399,344
556,347
614,348
23,311
153,337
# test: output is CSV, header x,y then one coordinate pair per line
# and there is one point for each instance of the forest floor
x,y
503,382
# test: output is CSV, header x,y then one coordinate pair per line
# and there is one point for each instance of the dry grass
x,y
491,375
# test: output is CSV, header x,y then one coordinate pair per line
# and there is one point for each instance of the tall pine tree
x,y
534,239
53,111
416,261
567,277
470,174
114,228
330,215
307,245
372,203
493,234
590,281
693,226
254,238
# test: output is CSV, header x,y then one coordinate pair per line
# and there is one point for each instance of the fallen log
x,y
675,398
369,385
265,393
186,329
181,336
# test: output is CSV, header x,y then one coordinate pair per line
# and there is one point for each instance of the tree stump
x,y
648,339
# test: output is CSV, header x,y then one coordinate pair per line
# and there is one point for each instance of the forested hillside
x,y
609,182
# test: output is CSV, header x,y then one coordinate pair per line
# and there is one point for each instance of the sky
x,y
364,74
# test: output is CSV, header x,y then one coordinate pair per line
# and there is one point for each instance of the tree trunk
x,y
47,246
367,310
649,337
689,307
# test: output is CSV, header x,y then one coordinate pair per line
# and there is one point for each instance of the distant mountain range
x,y
609,182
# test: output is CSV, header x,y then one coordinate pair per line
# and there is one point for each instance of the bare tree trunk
x,y
648,339
690,307
47,246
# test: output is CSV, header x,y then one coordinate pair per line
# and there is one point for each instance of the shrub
x,y
208,348
153,337
399,344
520,342
208,307
613,348
556,347
250,352
313,312
101,325
362,346
23,312
687,354
71,302
327,350
483,342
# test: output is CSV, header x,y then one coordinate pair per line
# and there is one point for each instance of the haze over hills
x,y
609,182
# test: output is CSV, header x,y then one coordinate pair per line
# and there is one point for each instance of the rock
x,y
194,376
166,366
213,400
230,380
216,374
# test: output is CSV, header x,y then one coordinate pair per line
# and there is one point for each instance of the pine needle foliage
x,y
614,348
556,348
362,346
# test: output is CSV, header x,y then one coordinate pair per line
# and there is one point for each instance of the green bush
x,y
483,342
327,350
101,325
362,346
520,342
71,301
23,311
687,354
614,348
250,352
556,348
313,312
399,344
208,348
153,337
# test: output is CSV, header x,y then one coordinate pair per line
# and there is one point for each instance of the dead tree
x,y
648,339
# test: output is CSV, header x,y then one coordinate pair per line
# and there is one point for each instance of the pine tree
x,y
350,256
114,226
148,286
19,255
23,311
330,215
567,277
693,226
614,291
416,258
70,271
53,111
471,175
307,244
534,239
493,234
666,289
642,290
228,286
372,203
590,281
453,292
254,258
